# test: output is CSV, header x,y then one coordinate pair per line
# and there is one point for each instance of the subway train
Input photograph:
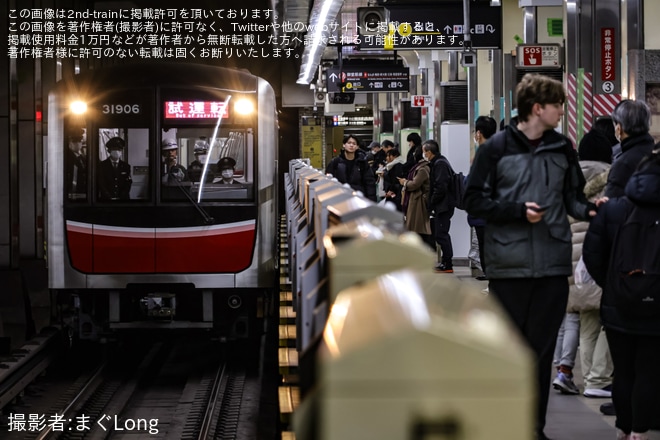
x,y
162,188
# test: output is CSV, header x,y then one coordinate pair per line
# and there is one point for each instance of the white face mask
x,y
201,158
227,174
115,154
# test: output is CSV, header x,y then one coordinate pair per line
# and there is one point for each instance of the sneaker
x,y
605,392
481,278
442,268
607,409
564,384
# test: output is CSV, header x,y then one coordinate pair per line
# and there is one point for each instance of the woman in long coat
x,y
415,189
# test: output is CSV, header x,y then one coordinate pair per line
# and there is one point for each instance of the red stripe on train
x,y
102,249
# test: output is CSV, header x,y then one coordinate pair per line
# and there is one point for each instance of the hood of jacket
x,y
644,185
395,161
595,173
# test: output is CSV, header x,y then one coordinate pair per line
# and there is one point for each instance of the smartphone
x,y
540,209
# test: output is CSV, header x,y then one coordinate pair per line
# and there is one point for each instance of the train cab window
x,y
75,165
196,165
123,167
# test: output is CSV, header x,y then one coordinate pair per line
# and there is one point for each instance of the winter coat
x,y
439,200
508,171
587,296
415,193
357,173
643,188
633,149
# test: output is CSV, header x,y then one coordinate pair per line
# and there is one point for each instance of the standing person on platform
x,y
386,146
351,167
581,325
632,122
441,204
484,128
415,188
523,182
631,127
632,328
414,151
393,170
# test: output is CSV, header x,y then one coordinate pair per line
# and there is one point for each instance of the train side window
x,y
75,165
123,166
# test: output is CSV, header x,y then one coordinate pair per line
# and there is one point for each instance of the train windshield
x,y
202,151
206,168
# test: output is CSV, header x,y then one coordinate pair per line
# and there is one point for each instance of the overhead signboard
x,y
367,79
539,55
439,26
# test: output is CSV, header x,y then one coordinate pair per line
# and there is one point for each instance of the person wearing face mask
x,y
173,172
440,204
632,121
226,169
114,174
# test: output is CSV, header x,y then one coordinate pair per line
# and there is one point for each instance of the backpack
x,y
634,269
456,187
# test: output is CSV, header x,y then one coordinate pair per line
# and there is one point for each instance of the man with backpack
x,y
440,203
523,182
622,253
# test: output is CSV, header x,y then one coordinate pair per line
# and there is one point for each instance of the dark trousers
x,y
536,306
636,384
479,230
440,228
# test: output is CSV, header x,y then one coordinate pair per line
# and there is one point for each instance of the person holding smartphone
x,y
523,182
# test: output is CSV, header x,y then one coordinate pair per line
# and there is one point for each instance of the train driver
x,y
114,174
173,172
226,169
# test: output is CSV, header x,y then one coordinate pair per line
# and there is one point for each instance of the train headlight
x,y
78,107
244,106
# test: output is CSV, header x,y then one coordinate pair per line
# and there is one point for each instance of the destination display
x,y
196,110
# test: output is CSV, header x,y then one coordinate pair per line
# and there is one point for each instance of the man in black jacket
x,y
440,203
632,121
523,183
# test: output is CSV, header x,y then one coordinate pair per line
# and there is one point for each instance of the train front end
x,y
162,200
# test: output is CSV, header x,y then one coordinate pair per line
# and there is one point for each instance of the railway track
x,y
182,389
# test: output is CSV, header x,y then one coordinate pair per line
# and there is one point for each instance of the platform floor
x,y
569,417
